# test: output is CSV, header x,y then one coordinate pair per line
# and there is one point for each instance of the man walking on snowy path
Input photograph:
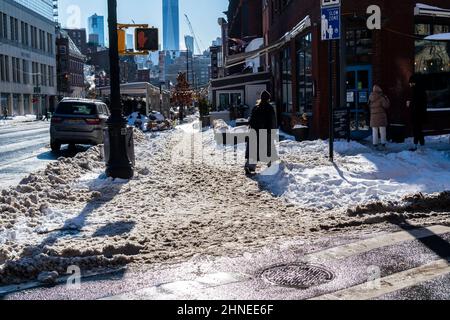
x,y
261,143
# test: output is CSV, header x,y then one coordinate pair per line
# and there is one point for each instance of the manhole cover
x,y
300,276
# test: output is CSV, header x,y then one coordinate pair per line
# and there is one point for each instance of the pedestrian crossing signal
x,y
146,39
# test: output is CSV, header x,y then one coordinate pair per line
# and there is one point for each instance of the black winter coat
x,y
419,104
263,118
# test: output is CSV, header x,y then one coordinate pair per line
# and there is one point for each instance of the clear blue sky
x,y
202,13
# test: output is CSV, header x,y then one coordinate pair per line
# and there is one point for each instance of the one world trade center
x,y
171,25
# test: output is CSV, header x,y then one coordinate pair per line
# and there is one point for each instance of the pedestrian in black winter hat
x,y
261,144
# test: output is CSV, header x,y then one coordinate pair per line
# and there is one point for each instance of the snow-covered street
x,y
25,148
190,197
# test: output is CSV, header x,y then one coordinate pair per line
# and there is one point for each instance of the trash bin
x,y
300,133
127,134
206,121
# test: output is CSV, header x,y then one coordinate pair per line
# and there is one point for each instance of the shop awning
x,y
439,37
135,88
422,9
241,58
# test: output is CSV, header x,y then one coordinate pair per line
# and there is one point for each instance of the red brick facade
x,y
392,58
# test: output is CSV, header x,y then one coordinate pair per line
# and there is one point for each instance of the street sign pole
x,y
330,101
331,32
119,165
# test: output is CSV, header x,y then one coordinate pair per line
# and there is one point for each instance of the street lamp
x,y
119,164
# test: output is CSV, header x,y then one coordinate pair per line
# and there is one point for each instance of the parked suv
x,y
78,121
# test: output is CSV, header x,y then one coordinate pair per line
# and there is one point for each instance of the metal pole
x,y
330,100
119,164
160,97
187,66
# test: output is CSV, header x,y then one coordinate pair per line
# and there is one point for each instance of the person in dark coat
x,y
418,106
261,143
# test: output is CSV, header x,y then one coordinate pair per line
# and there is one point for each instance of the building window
x,y
439,28
432,57
16,69
304,78
432,63
226,100
24,33
358,46
42,40
34,38
49,43
4,68
35,71
14,29
44,75
62,50
286,82
51,79
422,29
26,72
3,26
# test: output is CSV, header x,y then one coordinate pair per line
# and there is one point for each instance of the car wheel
x,y
55,146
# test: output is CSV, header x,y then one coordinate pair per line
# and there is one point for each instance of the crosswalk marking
x,y
392,283
363,246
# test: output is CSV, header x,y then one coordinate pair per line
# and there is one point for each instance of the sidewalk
x,y
190,197
17,120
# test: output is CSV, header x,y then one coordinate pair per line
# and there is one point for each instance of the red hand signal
x,y
142,39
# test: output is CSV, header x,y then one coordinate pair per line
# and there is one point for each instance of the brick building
x,y
243,77
298,61
70,67
79,37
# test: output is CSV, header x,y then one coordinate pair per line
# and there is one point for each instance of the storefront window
x,y
432,64
224,101
229,99
304,74
286,80
439,28
16,110
26,103
432,57
358,45
422,29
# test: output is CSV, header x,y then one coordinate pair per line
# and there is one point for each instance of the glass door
x,y
359,87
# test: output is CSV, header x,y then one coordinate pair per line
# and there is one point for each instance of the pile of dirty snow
x,y
360,174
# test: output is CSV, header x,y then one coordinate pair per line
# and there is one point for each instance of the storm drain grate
x,y
301,276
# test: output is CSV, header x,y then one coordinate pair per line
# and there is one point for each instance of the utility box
x,y
128,135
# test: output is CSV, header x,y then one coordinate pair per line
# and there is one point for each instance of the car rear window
x,y
77,109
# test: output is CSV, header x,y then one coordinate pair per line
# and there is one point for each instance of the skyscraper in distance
x,y
171,25
42,7
189,42
130,42
96,26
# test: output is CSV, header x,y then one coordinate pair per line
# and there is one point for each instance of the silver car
x,y
78,121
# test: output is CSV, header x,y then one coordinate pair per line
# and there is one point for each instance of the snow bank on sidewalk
x,y
17,120
360,175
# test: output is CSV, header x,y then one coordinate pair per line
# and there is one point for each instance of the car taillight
x,y
93,121
57,120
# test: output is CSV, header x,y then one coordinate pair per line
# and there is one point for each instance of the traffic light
x,y
146,39
121,39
